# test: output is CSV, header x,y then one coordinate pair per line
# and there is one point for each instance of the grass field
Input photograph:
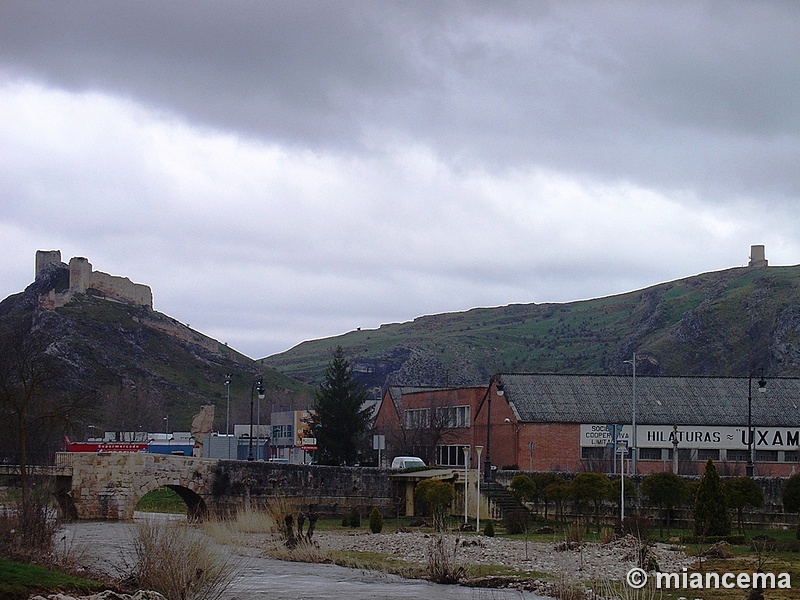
x,y
19,580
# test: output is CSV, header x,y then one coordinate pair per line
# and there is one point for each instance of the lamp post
x,y
675,449
487,465
634,446
228,413
762,387
257,385
478,450
466,482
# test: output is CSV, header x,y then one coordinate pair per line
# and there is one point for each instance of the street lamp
x,y
487,465
228,412
466,482
634,446
762,387
478,450
257,386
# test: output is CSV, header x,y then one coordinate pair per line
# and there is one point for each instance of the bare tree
x,y
34,410
422,428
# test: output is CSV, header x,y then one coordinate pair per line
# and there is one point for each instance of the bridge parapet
x,y
108,486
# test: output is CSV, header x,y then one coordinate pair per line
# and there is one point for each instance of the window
x,y
706,453
767,455
281,431
649,453
790,456
737,455
450,417
593,452
450,456
418,418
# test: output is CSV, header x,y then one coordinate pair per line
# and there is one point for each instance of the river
x,y
108,546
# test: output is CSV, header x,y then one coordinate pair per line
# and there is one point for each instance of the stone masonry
x,y
82,279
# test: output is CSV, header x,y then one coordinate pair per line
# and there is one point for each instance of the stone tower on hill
x,y
82,280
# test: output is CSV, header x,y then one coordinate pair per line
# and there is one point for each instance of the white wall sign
x,y
661,436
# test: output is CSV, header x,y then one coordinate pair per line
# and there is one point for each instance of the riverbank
x,y
487,561
588,561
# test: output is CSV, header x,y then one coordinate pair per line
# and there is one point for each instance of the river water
x,y
108,546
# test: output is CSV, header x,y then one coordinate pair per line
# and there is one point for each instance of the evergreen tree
x,y
340,421
711,516
791,497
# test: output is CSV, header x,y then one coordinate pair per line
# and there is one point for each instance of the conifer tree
x,y
340,421
711,516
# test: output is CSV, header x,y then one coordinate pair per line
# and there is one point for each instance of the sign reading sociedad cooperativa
x,y
662,436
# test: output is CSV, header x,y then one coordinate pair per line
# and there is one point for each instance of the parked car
x,y
407,462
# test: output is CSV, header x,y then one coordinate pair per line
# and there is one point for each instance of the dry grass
x,y
443,566
27,530
180,561
229,530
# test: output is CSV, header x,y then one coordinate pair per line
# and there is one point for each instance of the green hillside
x,y
720,323
131,366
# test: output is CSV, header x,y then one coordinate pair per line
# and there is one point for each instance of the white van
x,y
407,462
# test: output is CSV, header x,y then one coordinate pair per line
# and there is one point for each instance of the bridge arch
x,y
196,507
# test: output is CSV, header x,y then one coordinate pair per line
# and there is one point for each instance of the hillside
x,y
721,323
134,366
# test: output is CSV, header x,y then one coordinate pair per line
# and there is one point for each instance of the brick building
x,y
561,423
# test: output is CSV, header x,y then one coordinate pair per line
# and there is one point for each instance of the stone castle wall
x,y
82,278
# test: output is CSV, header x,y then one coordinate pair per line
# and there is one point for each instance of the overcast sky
x,y
282,171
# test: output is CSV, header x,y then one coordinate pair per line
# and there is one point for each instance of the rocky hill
x,y
135,366
720,323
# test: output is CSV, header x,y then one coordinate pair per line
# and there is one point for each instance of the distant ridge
x,y
725,323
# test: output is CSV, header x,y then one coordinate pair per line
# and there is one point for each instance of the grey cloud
x,y
673,93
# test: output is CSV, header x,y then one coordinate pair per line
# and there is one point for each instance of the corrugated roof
x,y
659,400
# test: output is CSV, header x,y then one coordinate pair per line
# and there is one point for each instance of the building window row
x,y
450,456
282,431
453,417
702,454
418,418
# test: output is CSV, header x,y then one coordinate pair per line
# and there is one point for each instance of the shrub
x,y
636,526
353,518
791,498
666,490
743,492
27,531
488,530
375,521
438,495
179,562
573,534
442,564
591,488
516,521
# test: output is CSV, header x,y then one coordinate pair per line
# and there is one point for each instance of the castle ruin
x,y
758,257
82,280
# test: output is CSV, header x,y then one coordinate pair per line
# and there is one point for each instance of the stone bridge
x,y
108,486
